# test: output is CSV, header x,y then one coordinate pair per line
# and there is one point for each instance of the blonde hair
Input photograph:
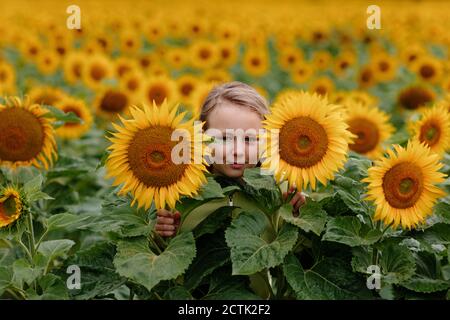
x,y
235,92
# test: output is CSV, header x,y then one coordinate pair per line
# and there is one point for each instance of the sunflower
x,y
384,66
176,58
78,107
227,31
322,85
186,85
7,78
204,55
301,73
47,62
96,69
73,66
371,127
290,57
312,142
403,185
216,75
11,206
321,60
414,97
31,48
154,30
45,95
199,95
141,157
428,69
124,65
345,61
132,82
159,88
228,52
256,62
109,102
129,42
366,77
433,129
26,135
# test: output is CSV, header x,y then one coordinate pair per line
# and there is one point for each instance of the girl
x,y
230,107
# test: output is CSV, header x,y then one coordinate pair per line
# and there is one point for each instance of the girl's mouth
x,y
237,166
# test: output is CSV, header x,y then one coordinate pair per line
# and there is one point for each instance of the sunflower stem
x,y
25,248
154,244
31,235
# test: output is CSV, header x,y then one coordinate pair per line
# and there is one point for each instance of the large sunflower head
x,y
26,135
312,142
74,130
371,127
433,129
11,206
403,185
141,157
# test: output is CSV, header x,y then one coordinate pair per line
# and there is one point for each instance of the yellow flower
x,y
159,88
402,185
141,157
27,136
11,206
74,130
256,62
73,66
414,97
312,143
110,102
96,69
433,129
371,127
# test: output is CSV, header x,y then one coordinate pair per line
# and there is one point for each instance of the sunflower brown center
x,y
414,97
403,185
430,133
149,156
427,71
255,62
157,93
21,135
8,207
366,76
132,84
97,72
367,135
205,54
186,89
384,66
303,142
114,101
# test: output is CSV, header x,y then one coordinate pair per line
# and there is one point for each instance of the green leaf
x,y
178,293
210,190
61,117
428,277
442,211
214,221
328,279
53,249
351,192
396,263
6,275
97,271
250,251
362,259
263,189
24,272
69,222
212,253
136,261
435,238
350,231
224,286
52,287
311,217
32,189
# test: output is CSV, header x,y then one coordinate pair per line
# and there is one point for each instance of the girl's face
x,y
236,128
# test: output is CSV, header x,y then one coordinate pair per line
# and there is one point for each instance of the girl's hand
x,y
297,200
167,222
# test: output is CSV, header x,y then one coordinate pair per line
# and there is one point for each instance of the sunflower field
x,y
87,114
